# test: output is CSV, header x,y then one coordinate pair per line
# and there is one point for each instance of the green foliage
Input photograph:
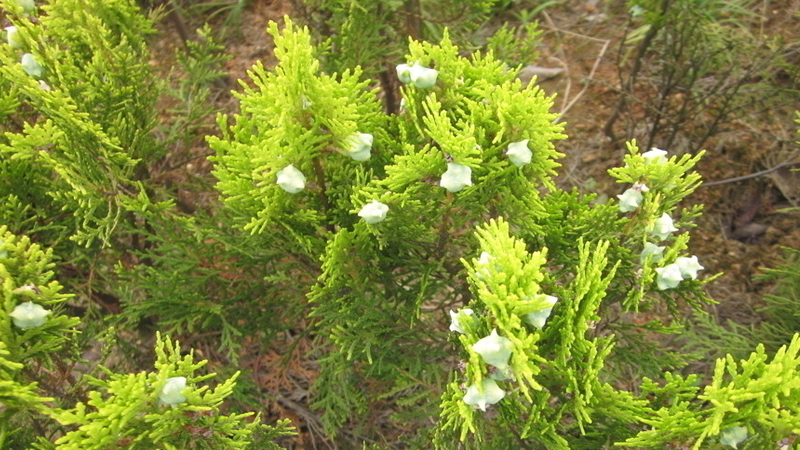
x,y
507,288
759,395
202,277
27,275
668,184
379,282
374,34
781,306
299,116
20,401
673,180
561,376
126,410
515,46
552,295
82,129
232,10
305,118
200,67
16,396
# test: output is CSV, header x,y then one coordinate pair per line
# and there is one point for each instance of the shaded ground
x,y
742,230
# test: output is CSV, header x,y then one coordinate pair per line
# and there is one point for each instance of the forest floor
x,y
745,224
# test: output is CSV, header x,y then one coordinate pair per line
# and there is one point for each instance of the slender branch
x,y
444,226
413,12
754,175
389,98
627,88
180,25
586,85
323,190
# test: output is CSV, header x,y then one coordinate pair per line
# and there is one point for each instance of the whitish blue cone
x,y
420,76
29,315
12,37
494,349
31,66
733,436
291,180
518,153
668,277
630,200
457,318
663,226
404,73
456,178
538,318
423,77
655,252
171,392
688,266
655,155
360,146
488,394
373,212
482,266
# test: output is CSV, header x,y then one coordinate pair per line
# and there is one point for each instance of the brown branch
x,y
629,84
754,175
323,190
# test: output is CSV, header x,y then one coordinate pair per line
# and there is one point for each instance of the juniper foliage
x,y
781,305
384,285
374,230
128,410
374,34
77,134
28,353
123,409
